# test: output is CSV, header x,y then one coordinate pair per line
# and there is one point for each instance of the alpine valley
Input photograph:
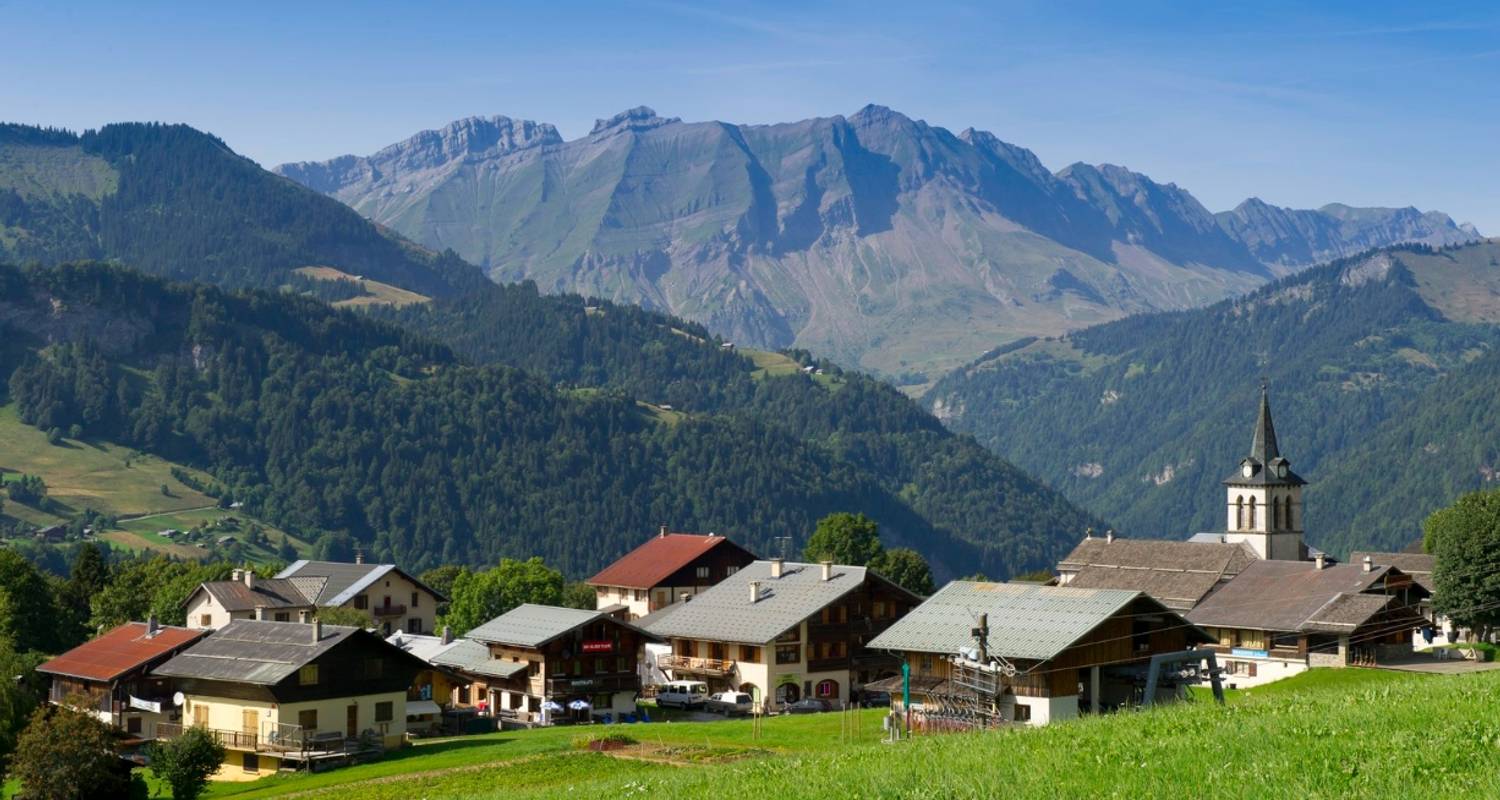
x,y
874,239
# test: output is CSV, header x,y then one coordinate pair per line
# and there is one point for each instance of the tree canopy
x,y
1465,543
844,538
479,597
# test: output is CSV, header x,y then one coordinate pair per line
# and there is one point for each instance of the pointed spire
x,y
1263,448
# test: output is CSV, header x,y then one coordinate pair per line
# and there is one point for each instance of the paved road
x,y
1421,662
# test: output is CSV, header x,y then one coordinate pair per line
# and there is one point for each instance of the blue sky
x,y
1300,104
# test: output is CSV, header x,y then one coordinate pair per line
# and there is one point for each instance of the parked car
x,y
729,703
871,699
809,705
682,694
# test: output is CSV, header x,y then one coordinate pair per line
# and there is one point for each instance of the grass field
x,y
1325,734
115,481
376,293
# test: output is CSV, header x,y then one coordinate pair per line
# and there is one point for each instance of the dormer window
x,y
1248,470
1281,470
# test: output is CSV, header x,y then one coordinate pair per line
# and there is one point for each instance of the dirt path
x,y
134,517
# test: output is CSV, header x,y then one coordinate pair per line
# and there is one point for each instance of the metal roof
x,y
725,612
254,651
532,625
119,651
419,645
265,593
470,656
342,581
660,556
1026,621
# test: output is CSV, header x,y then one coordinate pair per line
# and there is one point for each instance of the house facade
x,y
1279,618
433,689
782,631
982,654
287,694
550,661
110,678
665,569
393,599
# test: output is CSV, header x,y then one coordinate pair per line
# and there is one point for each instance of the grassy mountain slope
x,y
341,428
1376,364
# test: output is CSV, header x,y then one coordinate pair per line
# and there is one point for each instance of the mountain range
x,y
452,420
874,239
1382,370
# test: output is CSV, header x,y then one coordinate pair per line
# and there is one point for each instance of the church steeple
x,y
1265,496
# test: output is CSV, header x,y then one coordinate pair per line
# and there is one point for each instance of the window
x,y
414,625
1276,513
788,653
133,725
383,711
251,763
730,571
926,662
601,666
1252,512
205,620
879,609
716,650
827,689
640,594
463,695
308,675
283,616
749,654
1239,513
1023,713
702,573
361,602
1287,515
308,719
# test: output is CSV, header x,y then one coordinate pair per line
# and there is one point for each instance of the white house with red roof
x,y
667,568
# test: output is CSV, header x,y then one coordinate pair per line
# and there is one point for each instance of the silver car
x,y
729,703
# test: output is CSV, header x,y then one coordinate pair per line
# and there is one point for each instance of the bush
x,y
186,762
66,755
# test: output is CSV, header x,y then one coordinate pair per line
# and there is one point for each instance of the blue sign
x,y
1246,652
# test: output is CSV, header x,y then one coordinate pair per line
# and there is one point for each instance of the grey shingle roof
x,y
532,625
1346,611
1178,574
1265,455
266,593
1418,565
1026,621
254,651
725,613
1282,595
342,581
471,656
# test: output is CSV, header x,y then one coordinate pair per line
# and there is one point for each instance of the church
x,y
1274,606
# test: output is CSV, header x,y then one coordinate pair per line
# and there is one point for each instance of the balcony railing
x,y
231,740
704,666
388,611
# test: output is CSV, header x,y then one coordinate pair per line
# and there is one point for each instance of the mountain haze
x,y
874,238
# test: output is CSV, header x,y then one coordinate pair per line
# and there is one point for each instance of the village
x,y
695,626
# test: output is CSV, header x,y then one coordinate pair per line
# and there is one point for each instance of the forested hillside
x,y
1382,371
174,201
340,428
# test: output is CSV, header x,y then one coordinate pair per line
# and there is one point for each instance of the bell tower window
x,y
1239,513
1252,513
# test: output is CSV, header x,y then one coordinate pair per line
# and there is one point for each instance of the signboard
x,y
153,706
790,677
601,646
1245,652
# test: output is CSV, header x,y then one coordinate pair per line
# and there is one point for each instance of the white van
x,y
682,694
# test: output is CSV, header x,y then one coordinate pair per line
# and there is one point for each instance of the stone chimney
x,y
153,627
317,630
755,591
1109,536
827,569
447,635
1320,560
776,567
1369,564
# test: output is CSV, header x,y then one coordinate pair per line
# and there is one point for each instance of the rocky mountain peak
x,y
640,118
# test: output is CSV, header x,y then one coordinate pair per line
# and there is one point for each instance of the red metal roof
x,y
656,560
121,650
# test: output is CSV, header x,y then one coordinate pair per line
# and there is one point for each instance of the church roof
x,y
1265,458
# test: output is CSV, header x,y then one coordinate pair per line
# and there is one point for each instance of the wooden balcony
x,y
231,740
694,665
395,610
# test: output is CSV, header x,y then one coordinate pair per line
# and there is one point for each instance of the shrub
x,y
186,762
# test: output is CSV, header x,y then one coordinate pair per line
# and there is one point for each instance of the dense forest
x,y
1380,369
345,429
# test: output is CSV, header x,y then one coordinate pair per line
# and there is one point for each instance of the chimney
x,y
1369,564
249,579
1088,533
152,626
687,597
317,630
827,569
260,612
1320,560
359,555
755,591
663,532
776,565
1109,536
447,635
236,575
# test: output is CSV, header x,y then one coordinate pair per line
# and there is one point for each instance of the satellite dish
x,y
178,699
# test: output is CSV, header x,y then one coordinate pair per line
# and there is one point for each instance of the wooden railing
x,y
393,610
233,740
716,666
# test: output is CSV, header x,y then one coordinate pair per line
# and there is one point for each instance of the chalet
x,y
394,599
109,677
1278,618
665,569
1438,630
287,694
561,661
1062,649
1178,574
781,631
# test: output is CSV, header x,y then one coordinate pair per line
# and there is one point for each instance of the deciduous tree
x,y
1465,542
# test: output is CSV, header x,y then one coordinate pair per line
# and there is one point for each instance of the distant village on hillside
x,y
697,624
